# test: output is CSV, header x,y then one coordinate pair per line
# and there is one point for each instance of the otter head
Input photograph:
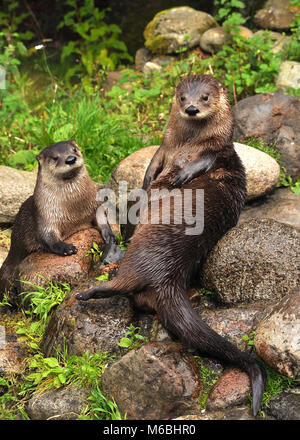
x,y
200,97
62,160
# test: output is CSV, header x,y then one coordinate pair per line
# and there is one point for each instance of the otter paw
x,y
181,179
108,236
83,296
68,249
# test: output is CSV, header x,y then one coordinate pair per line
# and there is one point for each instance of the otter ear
x,y
39,157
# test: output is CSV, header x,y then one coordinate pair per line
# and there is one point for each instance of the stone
x,y
15,187
231,389
13,352
214,38
282,205
276,15
262,171
257,260
73,269
274,118
234,322
142,55
279,41
158,381
64,403
94,325
236,413
176,28
289,76
277,338
284,406
151,67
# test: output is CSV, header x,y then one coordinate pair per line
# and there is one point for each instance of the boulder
x,y
214,38
176,28
64,403
142,56
276,14
262,170
15,187
289,76
273,117
73,269
282,205
13,352
279,41
231,389
284,406
94,325
155,382
257,260
277,338
236,413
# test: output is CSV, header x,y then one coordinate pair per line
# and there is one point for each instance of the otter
x,y
162,260
63,202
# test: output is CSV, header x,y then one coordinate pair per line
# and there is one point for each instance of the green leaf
x,y
51,362
125,342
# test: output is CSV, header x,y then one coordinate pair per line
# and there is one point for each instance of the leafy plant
x,y
101,408
132,339
95,251
98,48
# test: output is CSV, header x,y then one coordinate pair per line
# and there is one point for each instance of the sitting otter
x,y
64,202
197,153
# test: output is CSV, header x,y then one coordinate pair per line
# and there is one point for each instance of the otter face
x,y
61,160
199,97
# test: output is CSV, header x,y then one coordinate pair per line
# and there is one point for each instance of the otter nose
x,y
70,160
191,110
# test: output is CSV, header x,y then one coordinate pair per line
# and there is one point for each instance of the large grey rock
x,y
278,40
15,187
282,205
257,260
284,406
289,76
157,381
176,28
277,338
262,170
276,14
214,38
274,118
94,325
65,403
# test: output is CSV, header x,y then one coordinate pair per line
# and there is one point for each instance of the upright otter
x,y
196,153
64,202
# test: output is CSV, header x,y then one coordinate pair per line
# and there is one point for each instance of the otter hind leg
x,y
114,287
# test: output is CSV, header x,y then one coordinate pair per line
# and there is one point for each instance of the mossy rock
x,y
177,28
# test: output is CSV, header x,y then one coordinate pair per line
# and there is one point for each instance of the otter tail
x,y
178,316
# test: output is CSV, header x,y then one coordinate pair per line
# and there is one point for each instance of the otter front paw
x,y
85,296
108,236
65,249
181,178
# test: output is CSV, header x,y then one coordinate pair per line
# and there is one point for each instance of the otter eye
x,y
55,158
205,97
75,150
182,98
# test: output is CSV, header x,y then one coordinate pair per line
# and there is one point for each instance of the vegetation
x,y
66,96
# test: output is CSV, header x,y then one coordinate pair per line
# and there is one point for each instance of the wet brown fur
x,y
161,259
64,202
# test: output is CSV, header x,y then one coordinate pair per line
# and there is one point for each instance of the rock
x,y
94,325
279,41
141,57
151,67
58,404
3,254
234,322
274,118
73,269
113,78
282,205
15,187
12,351
155,382
237,413
276,15
262,171
284,406
231,389
257,260
289,76
214,38
176,28
277,338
